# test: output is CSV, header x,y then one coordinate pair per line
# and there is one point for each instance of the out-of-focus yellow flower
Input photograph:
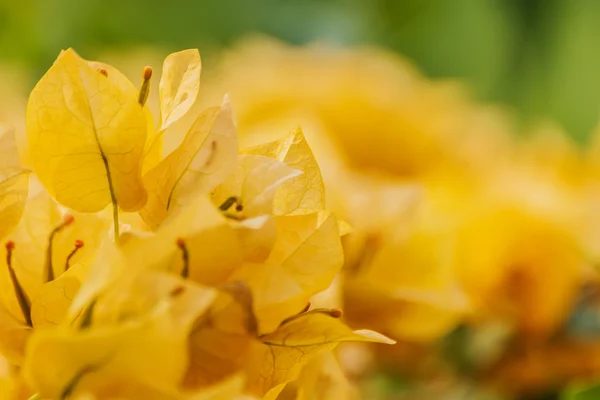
x,y
402,264
455,223
372,104
520,253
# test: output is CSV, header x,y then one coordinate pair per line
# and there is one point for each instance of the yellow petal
x,y
319,327
427,259
13,336
154,144
254,182
130,339
306,257
13,182
344,227
222,338
147,348
213,245
283,353
52,302
228,389
153,148
304,193
204,158
115,76
179,85
13,194
137,294
256,237
419,320
323,379
86,137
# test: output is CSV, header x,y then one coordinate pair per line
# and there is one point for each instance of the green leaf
x,y
582,392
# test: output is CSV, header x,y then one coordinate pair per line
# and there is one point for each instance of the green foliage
x,y
590,392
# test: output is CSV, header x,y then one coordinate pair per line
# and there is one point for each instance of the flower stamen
x,y
78,245
239,207
145,87
177,291
49,269
230,201
185,256
22,298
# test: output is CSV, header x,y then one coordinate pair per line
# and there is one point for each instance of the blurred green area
x,y
538,56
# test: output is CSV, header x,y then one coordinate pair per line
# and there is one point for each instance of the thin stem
x,y
22,298
116,220
49,276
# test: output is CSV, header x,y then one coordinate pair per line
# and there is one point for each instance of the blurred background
x,y
538,56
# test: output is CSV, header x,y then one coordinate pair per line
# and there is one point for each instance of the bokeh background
x,y
540,57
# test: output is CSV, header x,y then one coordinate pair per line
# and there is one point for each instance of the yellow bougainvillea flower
x,y
302,252
226,341
132,337
240,226
44,265
209,296
13,182
532,242
204,159
86,137
220,340
414,132
305,258
304,193
408,288
178,89
253,185
280,356
374,105
196,242
218,235
399,259
110,139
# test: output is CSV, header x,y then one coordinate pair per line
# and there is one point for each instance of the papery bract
x,y
86,136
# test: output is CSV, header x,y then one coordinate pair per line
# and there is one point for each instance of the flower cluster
x,y
129,274
473,248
